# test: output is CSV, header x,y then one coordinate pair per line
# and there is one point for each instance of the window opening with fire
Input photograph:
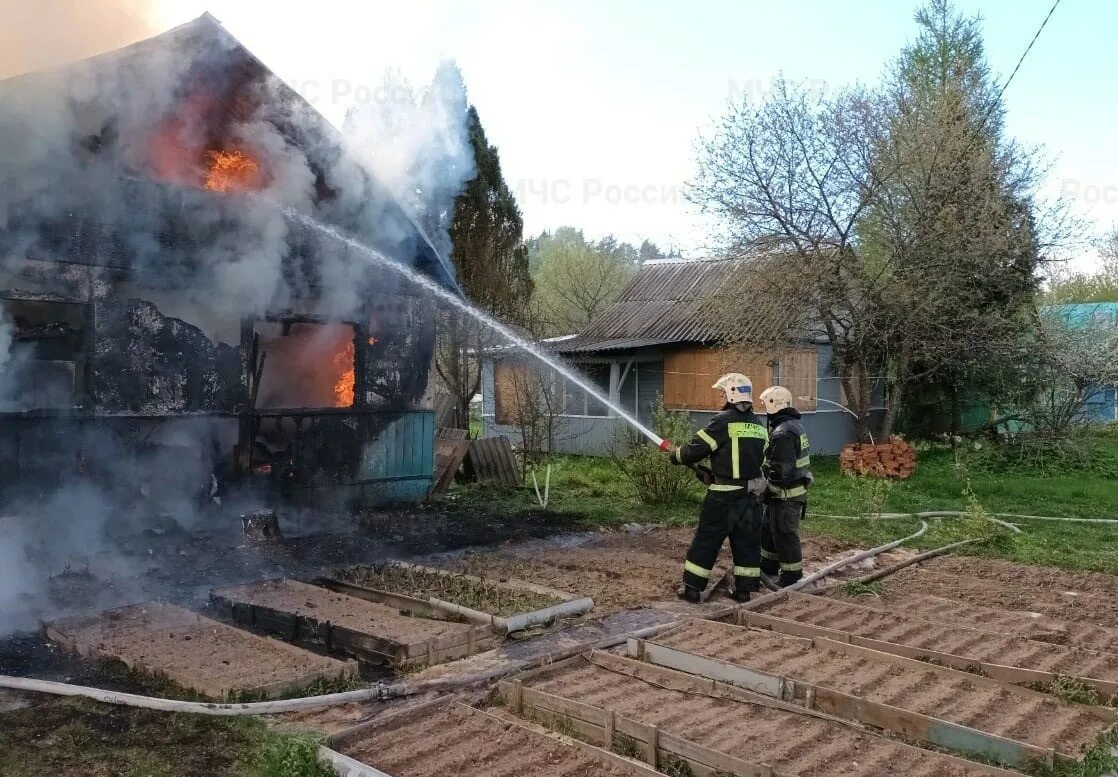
x,y
304,365
43,355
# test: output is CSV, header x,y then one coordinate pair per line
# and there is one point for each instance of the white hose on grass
x,y
937,515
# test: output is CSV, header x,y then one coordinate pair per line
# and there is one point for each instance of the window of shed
x,y
42,355
304,365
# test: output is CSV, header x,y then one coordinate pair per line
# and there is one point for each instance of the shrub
x,y
655,479
1044,455
290,756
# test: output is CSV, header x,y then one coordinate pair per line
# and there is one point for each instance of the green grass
x,y
594,490
80,738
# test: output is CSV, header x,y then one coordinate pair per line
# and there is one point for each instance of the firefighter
x,y
788,470
734,441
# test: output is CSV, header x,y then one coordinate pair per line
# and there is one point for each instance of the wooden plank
x,y
344,766
925,728
1010,674
491,460
342,739
449,455
447,433
711,668
667,677
713,761
402,602
592,721
1107,714
600,754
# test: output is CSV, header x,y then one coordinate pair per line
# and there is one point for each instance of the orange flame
x,y
232,171
344,388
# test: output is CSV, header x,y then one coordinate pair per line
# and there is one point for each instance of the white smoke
x,y
52,166
418,144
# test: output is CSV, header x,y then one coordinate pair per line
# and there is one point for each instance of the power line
x,y
1028,48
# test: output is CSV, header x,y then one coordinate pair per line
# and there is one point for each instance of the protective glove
x,y
704,475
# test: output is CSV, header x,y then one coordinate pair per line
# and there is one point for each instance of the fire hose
x,y
392,690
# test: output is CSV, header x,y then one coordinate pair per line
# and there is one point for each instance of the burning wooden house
x,y
173,318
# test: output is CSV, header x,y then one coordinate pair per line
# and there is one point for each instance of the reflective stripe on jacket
x,y
735,442
788,462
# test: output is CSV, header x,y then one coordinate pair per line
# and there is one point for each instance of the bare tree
x,y
898,223
790,179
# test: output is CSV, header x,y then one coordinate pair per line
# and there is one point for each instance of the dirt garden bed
x,y
369,631
979,703
944,638
463,588
790,742
454,739
195,652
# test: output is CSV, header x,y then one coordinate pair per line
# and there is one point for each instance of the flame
x,y
343,389
232,171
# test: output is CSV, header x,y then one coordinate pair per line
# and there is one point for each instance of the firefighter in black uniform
x,y
788,470
734,441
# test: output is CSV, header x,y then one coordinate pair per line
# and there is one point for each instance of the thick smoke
x,y
99,166
418,145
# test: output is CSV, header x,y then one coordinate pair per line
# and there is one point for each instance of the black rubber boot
x,y
689,594
739,595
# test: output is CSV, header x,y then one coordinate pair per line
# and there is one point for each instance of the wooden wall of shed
x,y
689,374
798,372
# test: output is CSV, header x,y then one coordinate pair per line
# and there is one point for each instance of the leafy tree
x,y
953,227
492,263
896,222
576,279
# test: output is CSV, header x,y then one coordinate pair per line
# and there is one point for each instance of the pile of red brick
x,y
895,459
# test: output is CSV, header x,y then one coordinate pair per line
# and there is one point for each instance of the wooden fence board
x,y
449,455
491,459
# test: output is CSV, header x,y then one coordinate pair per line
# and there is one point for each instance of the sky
x,y
595,105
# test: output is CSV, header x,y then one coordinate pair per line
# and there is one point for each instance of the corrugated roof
x,y
662,304
579,345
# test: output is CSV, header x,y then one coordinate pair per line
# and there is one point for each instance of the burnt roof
x,y
215,58
664,304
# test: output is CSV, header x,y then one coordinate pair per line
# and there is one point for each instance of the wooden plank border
x,y
1107,714
57,632
601,754
719,689
1010,674
591,722
370,648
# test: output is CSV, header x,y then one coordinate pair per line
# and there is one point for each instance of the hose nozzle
x,y
665,445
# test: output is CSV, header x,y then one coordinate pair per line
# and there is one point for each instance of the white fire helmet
x,y
775,399
736,387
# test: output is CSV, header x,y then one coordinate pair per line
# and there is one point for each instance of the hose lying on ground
x,y
896,567
385,691
935,515
827,570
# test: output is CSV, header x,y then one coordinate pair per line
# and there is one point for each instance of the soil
x,y
192,651
1091,596
462,742
973,643
1031,625
788,741
1044,722
618,569
325,606
493,599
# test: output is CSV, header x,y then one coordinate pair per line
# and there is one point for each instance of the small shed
x,y
655,344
